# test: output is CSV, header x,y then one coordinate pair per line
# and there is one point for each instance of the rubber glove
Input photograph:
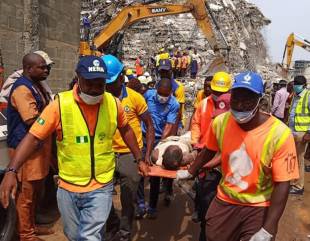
x,y
261,235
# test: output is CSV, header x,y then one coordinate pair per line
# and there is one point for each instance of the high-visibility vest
x,y
82,157
302,114
276,137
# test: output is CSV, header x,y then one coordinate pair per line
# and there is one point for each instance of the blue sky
x,y
287,16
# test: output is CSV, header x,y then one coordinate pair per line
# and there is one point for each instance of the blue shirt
x,y
161,113
291,120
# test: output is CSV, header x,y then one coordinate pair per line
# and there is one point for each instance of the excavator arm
x,y
292,40
132,14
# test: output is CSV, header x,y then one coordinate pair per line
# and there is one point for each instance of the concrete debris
x,y
240,21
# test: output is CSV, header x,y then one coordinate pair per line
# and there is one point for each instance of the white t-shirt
x,y
184,142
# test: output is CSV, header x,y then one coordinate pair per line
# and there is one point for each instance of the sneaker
x,y
151,213
296,191
167,199
140,212
195,217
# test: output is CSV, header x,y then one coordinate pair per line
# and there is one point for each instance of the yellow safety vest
x,y
82,157
302,115
276,137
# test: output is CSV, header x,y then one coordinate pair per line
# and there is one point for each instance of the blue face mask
x,y
298,88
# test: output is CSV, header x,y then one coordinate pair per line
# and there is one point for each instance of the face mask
x,y
162,99
214,97
298,88
243,117
89,99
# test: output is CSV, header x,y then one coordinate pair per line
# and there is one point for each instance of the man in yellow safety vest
x,y
85,120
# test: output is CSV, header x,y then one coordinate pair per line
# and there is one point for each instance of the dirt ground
x,y
174,223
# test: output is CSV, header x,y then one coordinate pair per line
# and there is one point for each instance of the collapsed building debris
x,y
240,21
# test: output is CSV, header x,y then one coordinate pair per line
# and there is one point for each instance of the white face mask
x,y
244,116
89,99
162,99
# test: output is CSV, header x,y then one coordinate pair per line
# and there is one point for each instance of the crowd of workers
x,y
114,121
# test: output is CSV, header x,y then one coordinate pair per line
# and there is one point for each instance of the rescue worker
x,y
258,161
178,89
135,110
207,182
299,122
164,110
184,64
279,102
220,84
27,99
204,93
85,120
139,66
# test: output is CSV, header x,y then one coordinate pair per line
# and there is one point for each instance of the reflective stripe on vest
x,y
302,115
276,137
82,157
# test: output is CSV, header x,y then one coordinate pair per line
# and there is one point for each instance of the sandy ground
x,y
174,223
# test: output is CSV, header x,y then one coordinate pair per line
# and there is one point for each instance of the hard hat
x,y
221,82
162,49
142,79
129,72
146,74
126,80
114,67
45,56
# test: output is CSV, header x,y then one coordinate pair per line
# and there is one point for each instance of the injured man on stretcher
x,y
172,154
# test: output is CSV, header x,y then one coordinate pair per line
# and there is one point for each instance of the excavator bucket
x,y
216,65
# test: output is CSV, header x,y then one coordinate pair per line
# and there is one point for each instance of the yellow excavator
x,y
134,13
292,40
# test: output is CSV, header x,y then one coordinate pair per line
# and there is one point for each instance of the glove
x,y
261,235
183,174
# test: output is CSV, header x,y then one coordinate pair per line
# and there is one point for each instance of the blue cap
x,y
91,67
249,80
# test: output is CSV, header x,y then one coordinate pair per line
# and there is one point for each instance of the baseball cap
x,y
249,80
222,104
91,67
45,56
164,64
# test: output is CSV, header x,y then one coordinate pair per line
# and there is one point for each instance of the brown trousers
x,y
228,222
26,201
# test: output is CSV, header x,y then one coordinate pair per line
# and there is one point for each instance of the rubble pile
x,y
240,21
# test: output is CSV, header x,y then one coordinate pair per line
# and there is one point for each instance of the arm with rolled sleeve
x,y
276,102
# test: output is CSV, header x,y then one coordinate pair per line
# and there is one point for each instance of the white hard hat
x,y
142,79
147,74
45,56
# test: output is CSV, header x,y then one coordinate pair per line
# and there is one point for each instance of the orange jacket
x,y
201,121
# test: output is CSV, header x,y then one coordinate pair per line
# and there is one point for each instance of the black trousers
x,y
205,192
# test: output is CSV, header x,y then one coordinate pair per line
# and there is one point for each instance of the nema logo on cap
x,y
96,67
247,78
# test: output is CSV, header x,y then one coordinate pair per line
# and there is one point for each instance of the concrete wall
x,y
48,25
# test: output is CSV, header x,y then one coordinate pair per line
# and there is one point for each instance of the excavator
x,y
134,13
292,40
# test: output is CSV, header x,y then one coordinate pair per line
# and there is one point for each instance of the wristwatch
x,y
10,169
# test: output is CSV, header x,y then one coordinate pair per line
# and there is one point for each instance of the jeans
x,y
84,214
